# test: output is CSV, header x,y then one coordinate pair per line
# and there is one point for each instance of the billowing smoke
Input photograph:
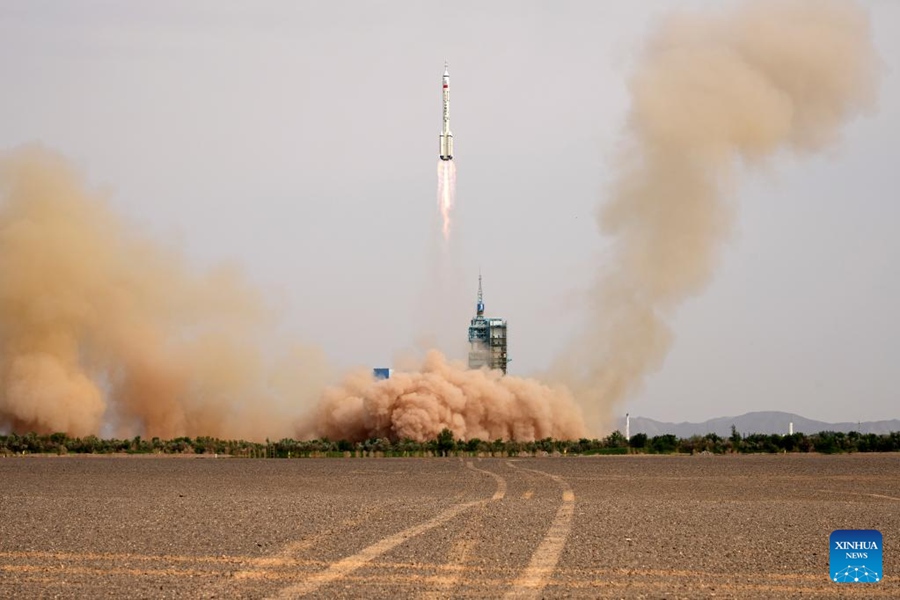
x,y
103,331
473,404
710,93
100,328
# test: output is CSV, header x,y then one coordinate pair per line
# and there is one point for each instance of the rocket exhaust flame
x,y
446,193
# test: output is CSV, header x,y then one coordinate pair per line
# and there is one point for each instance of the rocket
x,y
446,146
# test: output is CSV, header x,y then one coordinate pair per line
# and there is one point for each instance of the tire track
x,y
880,496
545,558
349,564
263,567
501,482
293,550
465,544
596,582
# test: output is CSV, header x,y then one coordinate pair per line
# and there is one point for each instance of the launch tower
x,y
487,338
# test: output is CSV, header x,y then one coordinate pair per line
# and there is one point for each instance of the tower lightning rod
x,y
480,305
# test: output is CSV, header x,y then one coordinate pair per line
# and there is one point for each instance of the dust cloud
x,y
472,403
104,331
711,93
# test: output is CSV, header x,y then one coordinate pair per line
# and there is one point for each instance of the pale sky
x,y
299,140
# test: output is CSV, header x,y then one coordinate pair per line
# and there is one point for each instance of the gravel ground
x,y
592,527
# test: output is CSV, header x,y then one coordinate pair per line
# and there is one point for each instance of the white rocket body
x,y
446,138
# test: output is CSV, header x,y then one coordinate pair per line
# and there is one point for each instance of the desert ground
x,y
554,527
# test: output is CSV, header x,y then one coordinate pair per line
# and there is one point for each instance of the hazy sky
x,y
299,140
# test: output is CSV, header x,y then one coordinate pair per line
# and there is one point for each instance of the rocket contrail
x,y
446,173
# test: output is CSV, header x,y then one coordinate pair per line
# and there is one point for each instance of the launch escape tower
x,y
487,339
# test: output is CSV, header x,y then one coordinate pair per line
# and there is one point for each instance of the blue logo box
x,y
855,556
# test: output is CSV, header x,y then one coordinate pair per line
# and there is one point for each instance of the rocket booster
x,y
446,145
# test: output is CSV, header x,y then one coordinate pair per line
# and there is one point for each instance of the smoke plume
x,y
99,327
710,92
473,404
103,330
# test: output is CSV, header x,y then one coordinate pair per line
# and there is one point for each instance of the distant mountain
x,y
755,422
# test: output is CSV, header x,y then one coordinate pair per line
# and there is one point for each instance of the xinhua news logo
x,y
855,556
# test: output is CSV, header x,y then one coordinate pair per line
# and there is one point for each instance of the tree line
x,y
446,444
